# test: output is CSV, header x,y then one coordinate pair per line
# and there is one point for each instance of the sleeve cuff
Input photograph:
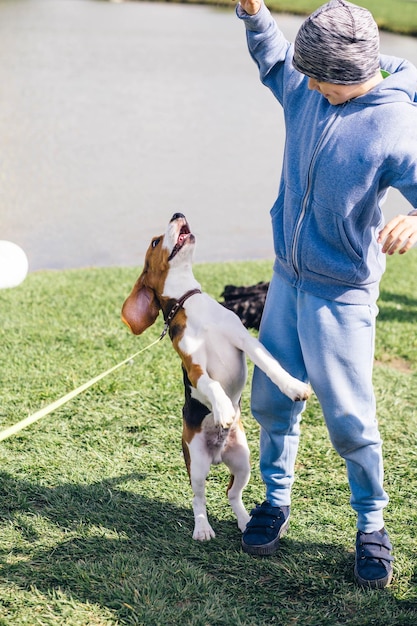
x,y
257,22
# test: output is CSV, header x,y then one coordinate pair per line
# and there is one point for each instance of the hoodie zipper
x,y
306,198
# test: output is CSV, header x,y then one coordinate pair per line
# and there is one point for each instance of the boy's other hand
x,y
399,235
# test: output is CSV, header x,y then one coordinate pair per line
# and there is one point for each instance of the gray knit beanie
x,y
338,43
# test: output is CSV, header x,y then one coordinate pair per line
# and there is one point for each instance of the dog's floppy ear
x,y
140,309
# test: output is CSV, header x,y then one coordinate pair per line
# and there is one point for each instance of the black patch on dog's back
x,y
193,410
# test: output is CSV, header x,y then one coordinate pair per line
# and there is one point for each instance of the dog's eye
x,y
155,242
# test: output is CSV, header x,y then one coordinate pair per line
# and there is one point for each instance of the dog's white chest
x,y
223,362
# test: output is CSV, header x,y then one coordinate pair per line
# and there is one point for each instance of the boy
x,y
351,133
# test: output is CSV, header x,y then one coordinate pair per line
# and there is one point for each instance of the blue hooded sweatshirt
x,y
339,162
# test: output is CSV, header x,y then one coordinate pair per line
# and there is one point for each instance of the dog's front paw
x,y
203,531
297,390
224,413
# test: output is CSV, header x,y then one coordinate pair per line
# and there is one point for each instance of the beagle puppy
x,y
211,342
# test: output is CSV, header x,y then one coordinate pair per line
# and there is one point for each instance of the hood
x,y
400,85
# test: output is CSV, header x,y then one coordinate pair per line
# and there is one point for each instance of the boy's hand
x,y
251,7
399,235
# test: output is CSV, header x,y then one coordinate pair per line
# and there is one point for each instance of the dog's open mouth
x,y
184,234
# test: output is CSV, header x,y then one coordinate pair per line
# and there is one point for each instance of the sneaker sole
x,y
378,583
266,549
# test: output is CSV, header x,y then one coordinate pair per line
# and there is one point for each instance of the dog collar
x,y
175,308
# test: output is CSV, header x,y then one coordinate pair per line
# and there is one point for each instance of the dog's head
x,y
165,253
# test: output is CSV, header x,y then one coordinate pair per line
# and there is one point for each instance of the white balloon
x,y
14,264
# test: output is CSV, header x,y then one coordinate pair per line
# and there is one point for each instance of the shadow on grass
x,y
396,307
135,556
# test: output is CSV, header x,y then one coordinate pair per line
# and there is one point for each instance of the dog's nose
x,y
177,216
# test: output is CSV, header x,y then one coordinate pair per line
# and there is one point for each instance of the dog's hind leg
x,y
199,462
236,457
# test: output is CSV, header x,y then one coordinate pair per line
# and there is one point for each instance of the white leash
x,y
4,434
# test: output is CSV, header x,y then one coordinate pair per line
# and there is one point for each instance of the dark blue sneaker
x,y
265,528
373,563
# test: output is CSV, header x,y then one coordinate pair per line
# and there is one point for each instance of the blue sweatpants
x,y
331,345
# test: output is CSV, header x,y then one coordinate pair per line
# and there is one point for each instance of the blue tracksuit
x,y
319,318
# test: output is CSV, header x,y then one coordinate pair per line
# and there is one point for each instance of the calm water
x,y
113,116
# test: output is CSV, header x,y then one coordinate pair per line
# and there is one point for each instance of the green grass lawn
x,y
394,15
95,506
398,16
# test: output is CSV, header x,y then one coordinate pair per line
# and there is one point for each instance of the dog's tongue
x,y
182,237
